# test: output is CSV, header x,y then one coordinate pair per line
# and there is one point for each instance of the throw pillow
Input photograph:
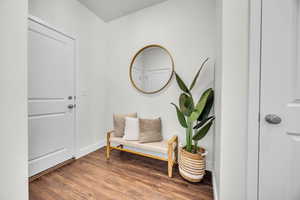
x,y
150,130
131,129
119,123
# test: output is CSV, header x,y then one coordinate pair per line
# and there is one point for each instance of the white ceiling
x,y
112,9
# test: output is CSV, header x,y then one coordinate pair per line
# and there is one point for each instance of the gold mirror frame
x,y
132,62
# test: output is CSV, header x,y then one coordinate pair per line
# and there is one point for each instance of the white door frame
x,y
255,28
76,75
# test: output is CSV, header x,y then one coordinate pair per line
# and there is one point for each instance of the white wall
x,y
90,32
188,30
232,99
13,101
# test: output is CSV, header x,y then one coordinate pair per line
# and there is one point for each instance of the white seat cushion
x,y
159,147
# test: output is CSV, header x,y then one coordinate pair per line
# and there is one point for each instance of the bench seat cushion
x,y
159,147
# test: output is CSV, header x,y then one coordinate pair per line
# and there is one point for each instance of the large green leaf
x,y
198,73
200,105
180,116
201,133
208,106
186,104
200,124
181,84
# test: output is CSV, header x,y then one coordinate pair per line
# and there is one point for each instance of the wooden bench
x,y
168,147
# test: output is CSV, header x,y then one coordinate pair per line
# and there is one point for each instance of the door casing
x,y
255,37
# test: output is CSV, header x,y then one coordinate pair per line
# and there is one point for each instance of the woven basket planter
x,y
192,166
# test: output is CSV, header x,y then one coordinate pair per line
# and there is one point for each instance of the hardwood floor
x,y
124,177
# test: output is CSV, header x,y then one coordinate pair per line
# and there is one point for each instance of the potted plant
x,y
194,117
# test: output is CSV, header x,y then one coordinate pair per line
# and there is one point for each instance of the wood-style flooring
x,y
124,177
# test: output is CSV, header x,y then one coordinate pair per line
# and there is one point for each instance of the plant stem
x,y
195,146
189,132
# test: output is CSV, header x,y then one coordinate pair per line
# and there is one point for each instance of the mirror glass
x,y
151,69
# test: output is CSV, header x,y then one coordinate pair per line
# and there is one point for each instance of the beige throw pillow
x,y
119,123
150,130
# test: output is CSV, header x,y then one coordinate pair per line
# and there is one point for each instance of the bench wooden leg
x,y
170,160
107,152
170,167
108,146
172,155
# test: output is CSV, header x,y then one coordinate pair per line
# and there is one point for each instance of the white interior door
x,y
279,160
50,97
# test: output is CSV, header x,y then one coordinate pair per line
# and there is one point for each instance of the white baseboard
x,y
215,188
89,149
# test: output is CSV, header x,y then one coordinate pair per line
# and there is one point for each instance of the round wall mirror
x,y
151,69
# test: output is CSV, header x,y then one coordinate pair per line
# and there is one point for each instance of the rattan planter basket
x,y
192,166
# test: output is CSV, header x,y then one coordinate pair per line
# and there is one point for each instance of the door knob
x,y
273,119
71,106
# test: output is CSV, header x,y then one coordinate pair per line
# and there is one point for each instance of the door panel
x,y
51,63
53,106
47,140
279,161
50,84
